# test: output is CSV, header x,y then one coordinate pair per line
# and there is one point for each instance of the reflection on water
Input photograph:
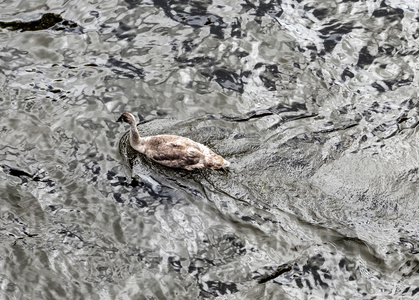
x,y
314,103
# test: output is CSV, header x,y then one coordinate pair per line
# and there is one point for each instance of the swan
x,y
171,150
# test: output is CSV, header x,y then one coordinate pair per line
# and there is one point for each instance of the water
x,y
314,103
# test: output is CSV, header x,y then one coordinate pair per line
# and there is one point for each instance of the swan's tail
x,y
216,162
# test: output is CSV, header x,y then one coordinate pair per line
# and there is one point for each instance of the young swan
x,y
172,150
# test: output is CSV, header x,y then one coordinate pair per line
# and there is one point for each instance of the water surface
x,y
314,103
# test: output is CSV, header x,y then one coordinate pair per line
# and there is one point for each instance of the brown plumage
x,y
172,150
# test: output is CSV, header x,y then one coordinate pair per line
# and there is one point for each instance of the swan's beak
x,y
119,119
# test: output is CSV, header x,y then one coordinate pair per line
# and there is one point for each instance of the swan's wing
x,y
174,151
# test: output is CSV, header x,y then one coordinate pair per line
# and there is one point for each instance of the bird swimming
x,y
172,150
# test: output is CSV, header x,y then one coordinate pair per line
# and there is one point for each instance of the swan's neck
x,y
135,138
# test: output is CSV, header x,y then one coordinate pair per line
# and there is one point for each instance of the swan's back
x,y
180,152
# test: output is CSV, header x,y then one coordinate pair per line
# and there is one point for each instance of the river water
x,y
314,103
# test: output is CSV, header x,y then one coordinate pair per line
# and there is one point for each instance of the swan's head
x,y
127,118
